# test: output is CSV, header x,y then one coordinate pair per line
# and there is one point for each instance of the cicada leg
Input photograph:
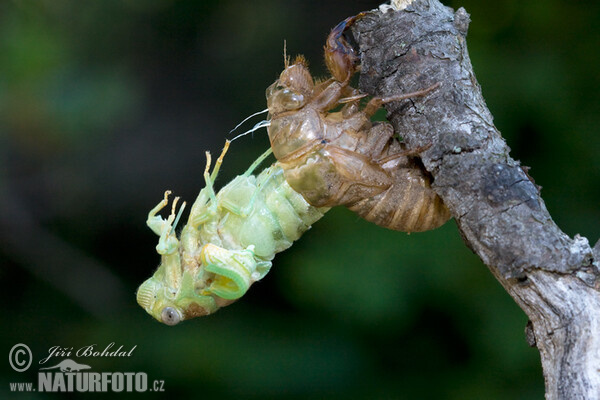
x,y
165,229
205,207
258,161
156,222
376,102
340,57
351,101
215,172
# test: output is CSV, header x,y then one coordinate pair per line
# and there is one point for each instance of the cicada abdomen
x,y
408,204
227,244
341,157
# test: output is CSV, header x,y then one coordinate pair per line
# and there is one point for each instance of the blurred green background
x,y
105,104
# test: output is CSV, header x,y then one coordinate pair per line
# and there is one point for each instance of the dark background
x,y
105,104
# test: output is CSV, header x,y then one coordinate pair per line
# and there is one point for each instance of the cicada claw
x,y
340,57
165,229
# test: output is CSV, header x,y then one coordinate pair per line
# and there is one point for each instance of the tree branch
x,y
496,204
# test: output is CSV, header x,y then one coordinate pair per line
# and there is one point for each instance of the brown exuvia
x,y
342,158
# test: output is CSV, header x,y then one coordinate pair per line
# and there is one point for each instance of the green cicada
x,y
227,243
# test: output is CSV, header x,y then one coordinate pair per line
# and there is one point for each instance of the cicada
x,y
341,157
227,243
325,159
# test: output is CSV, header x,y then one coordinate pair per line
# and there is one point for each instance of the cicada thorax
x,y
362,167
318,153
263,211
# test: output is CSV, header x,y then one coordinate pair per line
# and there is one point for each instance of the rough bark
x,y
555,279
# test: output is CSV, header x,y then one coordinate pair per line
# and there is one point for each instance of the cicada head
x,y
172,298
292,90
172,294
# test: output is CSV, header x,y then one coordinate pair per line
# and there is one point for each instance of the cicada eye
x,y
170,316
291,100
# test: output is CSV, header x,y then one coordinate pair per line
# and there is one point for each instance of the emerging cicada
x,y
324,159
227,244
341,158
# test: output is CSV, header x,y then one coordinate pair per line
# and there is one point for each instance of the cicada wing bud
x,y
235,270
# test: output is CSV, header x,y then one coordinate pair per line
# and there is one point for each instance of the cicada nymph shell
x,y
342,158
